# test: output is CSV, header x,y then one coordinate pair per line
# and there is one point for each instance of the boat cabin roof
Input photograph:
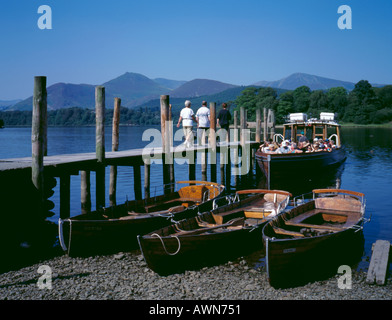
x,y
312,128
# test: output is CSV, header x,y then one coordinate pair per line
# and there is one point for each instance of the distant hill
x,y
171,84
6,103
200,87
134,90
138,90
178,103
302,79
63,95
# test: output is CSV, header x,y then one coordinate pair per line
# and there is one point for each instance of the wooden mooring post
x,y
212,141
379,263
85,191
100,145
115,144
167,156
38,131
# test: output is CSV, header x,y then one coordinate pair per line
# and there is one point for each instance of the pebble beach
x,y
125,276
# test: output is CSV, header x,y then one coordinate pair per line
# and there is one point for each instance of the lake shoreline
x,y
125,276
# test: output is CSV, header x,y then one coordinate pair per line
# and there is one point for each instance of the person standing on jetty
x,y
223,120
187,117
203,122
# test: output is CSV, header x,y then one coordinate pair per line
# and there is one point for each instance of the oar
x,y
231,223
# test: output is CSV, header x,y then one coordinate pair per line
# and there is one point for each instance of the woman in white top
x,y
187,117
203,121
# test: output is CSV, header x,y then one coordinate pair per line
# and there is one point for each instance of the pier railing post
x,y
165,132
212,141
258,125
115,143
85,192
265,130
100,145
38,138
147,171
271,122
242,124
171,164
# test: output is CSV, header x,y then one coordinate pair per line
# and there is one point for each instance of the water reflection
x,y
327,178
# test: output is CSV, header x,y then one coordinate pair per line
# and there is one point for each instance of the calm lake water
x,y
368,169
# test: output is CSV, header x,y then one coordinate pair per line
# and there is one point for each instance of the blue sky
x,y
238,42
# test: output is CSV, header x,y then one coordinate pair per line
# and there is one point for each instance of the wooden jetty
x,y
41,165
379,262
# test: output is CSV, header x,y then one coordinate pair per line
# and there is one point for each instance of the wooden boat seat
x,y
192,193
288,232
177,209
234,222
347,219
204,224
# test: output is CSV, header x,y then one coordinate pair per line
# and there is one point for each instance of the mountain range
x,y
302,79
137,90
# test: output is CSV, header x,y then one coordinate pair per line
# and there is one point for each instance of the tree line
x,y
365,104
82,117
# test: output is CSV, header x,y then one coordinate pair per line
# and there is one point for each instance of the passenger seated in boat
x,y
303,142
310,148
271,148
294,148
328,146
285,148
321,144
262,146
267,147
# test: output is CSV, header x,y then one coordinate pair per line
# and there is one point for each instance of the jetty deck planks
x,y
379,262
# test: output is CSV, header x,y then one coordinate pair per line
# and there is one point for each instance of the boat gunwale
x,y
335,192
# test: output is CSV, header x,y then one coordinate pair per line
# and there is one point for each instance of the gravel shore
x,y
125,276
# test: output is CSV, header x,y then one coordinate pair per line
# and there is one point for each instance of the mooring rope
x,y
163,244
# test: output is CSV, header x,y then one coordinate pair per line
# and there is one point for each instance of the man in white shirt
x,y
187,116
203,122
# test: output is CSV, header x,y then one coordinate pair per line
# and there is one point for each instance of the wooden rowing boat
x,y
114,229
313,239
224,233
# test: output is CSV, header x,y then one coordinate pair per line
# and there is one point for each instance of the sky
x,y
234,41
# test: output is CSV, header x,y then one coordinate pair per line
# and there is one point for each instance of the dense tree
x,y
81,117
252,98
362,104
301,97
318,102
337,100
384,96
284,107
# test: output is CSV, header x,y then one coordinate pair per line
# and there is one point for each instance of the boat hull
x,y
116,228
168,255
311,241
298,164
295,262
211,238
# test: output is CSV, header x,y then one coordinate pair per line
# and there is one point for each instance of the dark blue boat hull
x,y
298,164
